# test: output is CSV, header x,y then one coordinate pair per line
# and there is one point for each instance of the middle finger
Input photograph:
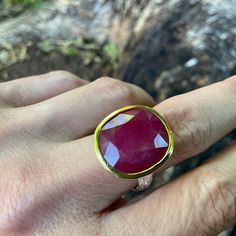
x,y
75,114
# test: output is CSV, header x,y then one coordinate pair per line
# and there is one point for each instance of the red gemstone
x,y
133,140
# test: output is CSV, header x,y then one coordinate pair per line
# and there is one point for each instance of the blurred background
x,y
167,47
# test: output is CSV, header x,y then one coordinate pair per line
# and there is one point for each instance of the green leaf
x,y
69,51
79,42
37,4
111,51
32,3
46,46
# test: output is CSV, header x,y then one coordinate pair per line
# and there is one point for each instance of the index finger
x,y
200,118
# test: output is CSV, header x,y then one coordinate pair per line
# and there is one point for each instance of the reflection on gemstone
x,y
112,154
119,120
159,142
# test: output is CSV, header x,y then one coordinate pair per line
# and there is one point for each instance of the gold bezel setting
x,y
136,175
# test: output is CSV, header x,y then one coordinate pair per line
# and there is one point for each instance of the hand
x,y
52,184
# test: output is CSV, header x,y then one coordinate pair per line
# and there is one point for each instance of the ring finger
x,y
75,114
194,130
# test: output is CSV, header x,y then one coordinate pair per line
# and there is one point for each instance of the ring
x,y
133,142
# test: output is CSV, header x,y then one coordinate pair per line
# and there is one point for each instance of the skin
x,y
52,184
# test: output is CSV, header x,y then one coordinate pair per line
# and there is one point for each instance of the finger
x,y
202,202
59,170
34,89
200,118
76,113
193,128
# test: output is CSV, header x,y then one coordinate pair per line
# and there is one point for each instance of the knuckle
x,y
17,122
13,93
64,77
61,73
115,88
108,83
217,200
16,96
199,135
184,121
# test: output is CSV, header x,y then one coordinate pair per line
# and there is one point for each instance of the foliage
x,y
10,55
24,3
111,51
89,51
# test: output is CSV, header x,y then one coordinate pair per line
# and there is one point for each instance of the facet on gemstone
x,y
112,154
118,120
160,142
133,141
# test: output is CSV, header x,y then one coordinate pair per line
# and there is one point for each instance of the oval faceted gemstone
x,y
133,140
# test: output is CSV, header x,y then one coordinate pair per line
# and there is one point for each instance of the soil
x,y
37,61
